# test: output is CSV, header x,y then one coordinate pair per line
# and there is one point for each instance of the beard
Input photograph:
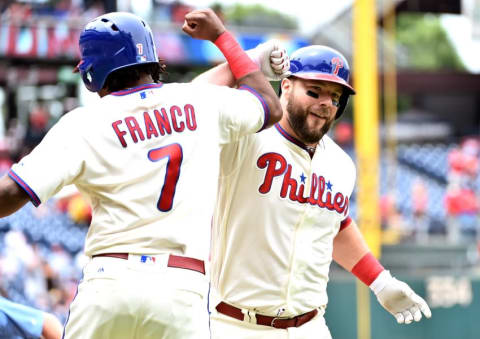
x,y
297,117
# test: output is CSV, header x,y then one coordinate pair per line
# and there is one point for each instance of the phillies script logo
x,y
320,192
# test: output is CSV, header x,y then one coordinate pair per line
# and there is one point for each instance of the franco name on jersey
x,y
320,191
161,123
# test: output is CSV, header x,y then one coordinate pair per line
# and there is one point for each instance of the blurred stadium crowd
x,y
435,196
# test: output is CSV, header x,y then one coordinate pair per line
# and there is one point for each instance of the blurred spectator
x,y
420,205
94,9
37,127
218,9
178,11
17,13
79,210
43,275
394,228
5,157
161,10
462,200
343,133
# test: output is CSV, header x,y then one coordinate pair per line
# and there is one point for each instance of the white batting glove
x,y
399,299
272,59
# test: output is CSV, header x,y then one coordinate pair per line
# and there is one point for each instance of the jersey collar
x,y
136,89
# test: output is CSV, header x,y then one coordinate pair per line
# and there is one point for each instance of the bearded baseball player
x,y
283,213
146,155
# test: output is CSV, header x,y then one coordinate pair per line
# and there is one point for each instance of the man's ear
x,y
285,86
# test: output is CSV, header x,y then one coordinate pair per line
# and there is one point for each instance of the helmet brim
x,y
324,77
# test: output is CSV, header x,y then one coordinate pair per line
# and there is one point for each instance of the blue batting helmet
x,y
113,41
318,62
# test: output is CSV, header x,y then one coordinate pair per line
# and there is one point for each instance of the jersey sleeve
x,y
242,111
54,163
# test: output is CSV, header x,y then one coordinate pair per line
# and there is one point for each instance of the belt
x,y
265,320
173,261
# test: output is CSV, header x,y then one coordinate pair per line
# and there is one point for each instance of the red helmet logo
x,y
338,63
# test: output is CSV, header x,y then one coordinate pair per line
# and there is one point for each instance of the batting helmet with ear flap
x,y
113,41
318,62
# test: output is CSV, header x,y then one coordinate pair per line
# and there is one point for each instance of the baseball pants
x,y
125,299
223,327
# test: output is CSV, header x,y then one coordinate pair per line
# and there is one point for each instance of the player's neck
x,y
144,79
288,128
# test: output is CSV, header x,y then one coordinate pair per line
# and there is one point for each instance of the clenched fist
x,y
203,24
272,59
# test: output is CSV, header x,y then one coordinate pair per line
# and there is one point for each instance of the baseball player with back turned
x,y
283,213
146,155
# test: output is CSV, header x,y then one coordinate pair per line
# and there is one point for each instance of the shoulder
x,y
191,86
339,155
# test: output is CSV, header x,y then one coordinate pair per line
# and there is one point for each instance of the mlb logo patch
x,y
143,95
147,258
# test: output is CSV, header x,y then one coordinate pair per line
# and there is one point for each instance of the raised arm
x,y
205,25
271,57
352,253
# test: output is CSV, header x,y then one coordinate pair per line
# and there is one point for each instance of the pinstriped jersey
x,y
277,213
147,160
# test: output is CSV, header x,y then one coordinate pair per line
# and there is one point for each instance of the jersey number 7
x,y
174,154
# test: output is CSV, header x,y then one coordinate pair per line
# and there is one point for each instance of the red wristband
x,y
367,269
239,62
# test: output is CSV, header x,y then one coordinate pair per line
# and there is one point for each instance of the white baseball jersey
x,y
147,159
277,213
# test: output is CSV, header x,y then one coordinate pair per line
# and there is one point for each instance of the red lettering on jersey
x,y
345,206
270,161
162,121
338,202
311,199
190,115
300,197
119,133
321,189
134,129
276,165
288,182
149,126
175,110
328,201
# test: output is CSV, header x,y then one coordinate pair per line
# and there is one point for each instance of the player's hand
x,y
272,59
203,24
399,299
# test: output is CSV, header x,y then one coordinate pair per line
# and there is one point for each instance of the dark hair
x,y
127,77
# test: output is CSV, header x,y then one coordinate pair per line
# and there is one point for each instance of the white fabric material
x,y
124,184
272,59
399,299
160,302
282,254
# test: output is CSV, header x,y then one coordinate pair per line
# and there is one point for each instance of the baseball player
x,y
146,155
20,321
283,214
